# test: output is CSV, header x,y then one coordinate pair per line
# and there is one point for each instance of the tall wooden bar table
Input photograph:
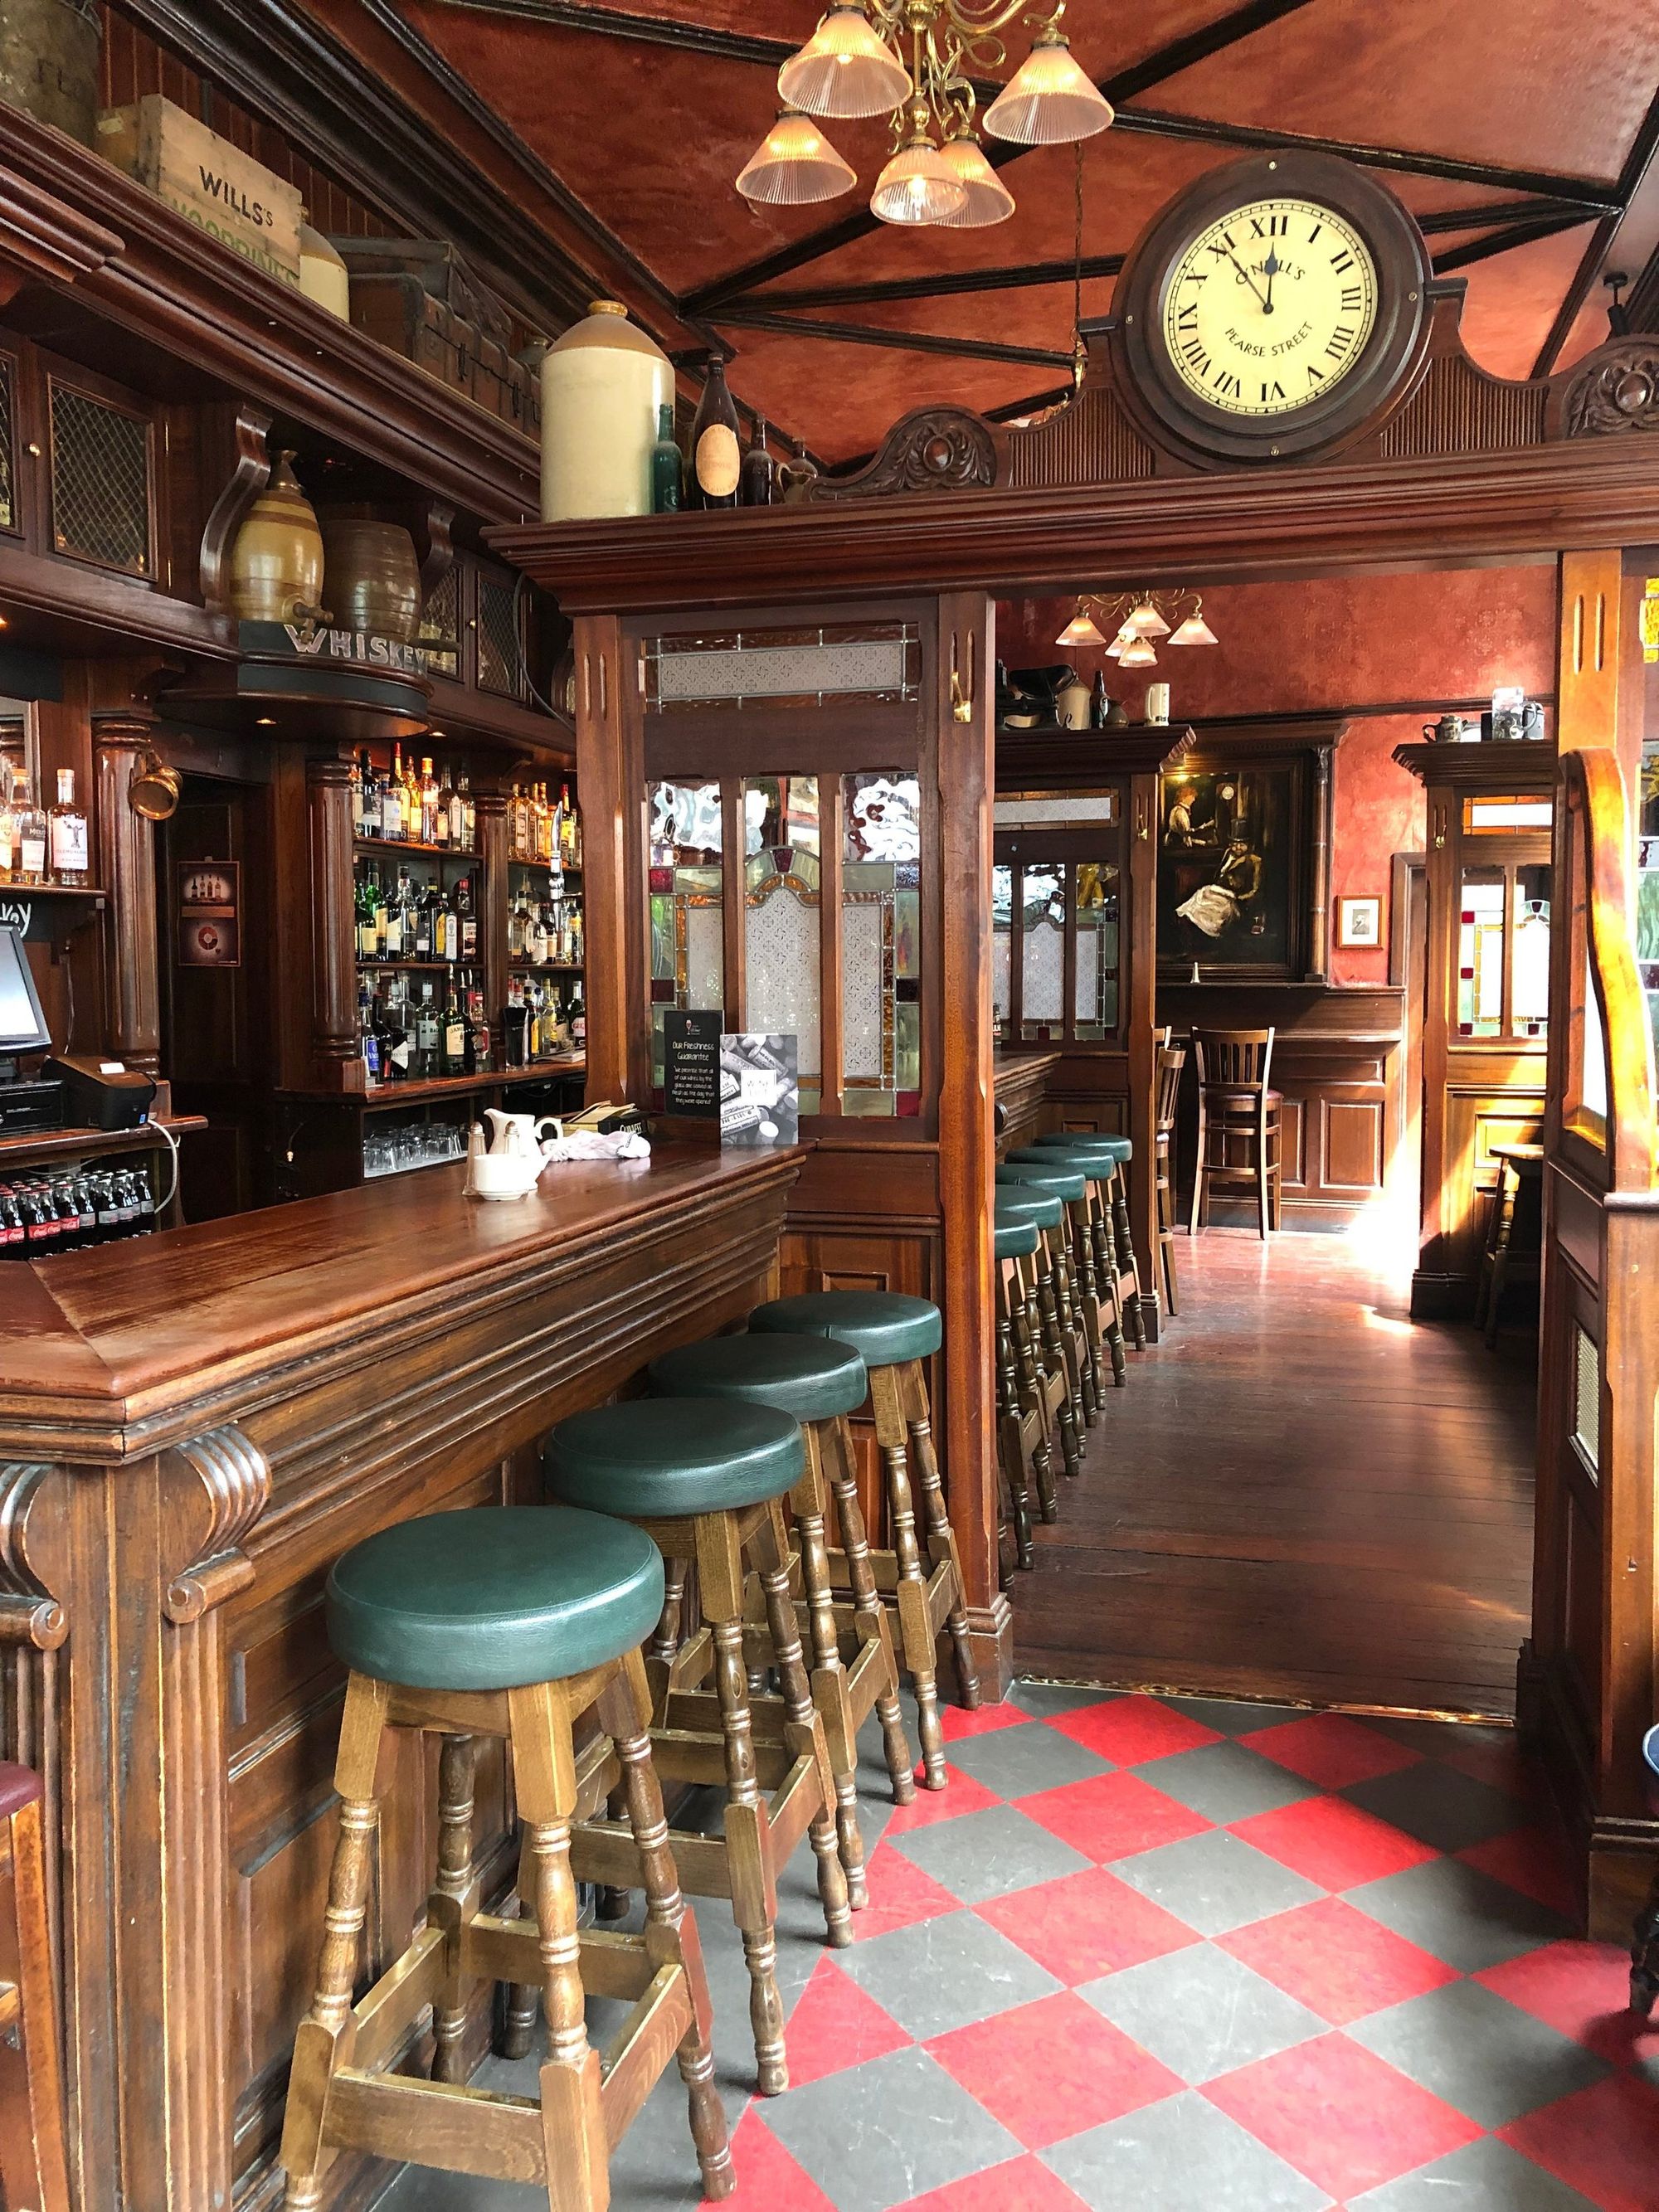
x,y
192,1429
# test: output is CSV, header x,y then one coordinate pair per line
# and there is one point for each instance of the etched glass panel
x,y
1481,954
1077,809
1043,952
1488,817
881,945
1587,1400
1529,985
785,667
688,946
1002,926
781,919
1095,907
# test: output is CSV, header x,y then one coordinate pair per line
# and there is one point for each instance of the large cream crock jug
x,y
602,384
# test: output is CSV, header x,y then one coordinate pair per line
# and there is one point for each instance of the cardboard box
x,y
212,183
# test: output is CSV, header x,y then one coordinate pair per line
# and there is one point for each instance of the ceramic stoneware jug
x,y
371,575
277,562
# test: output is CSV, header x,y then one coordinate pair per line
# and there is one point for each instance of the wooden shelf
x,y
383,845
546,967
419,967
570,875
458,1086
10,890
68,1144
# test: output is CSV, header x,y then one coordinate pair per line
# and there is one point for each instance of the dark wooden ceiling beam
x,y
807,327
639,29
1644,147
940,284
1502,241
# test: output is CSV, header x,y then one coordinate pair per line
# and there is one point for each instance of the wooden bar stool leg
x,y
771,1551
936,1526
1054,1347
1200,1165
830,1690
454,1900
867,1608
915,1627
1009,1425
670,1931
324,2040
572,2115
1128,1263
1031,1388
749,1856
34,2167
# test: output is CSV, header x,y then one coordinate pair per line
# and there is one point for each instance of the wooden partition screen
x,y
1586,1688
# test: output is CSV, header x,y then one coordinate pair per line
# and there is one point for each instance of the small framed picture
x,y
1359,921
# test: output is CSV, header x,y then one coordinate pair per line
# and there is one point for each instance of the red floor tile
x,y
1603,2141
1500,1764
836,2025
956,1722
1584,1991
1331,1749
1050,2069
1112,1814
1128,1730
1337,1961
1024,2184
1340,2115
1085,1925
961,1795
1329,1841
900,1895
767,2176
1535,1861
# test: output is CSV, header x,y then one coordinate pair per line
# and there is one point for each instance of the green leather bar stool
x,y
1039,1349
1013,1241
1091,1144
893,1335
706,1479
1070,1186
818,1382
1098,1315
505,1622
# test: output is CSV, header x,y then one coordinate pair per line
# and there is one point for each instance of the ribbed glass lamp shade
x,y
1137,653
793,166
1080,630
1048,101
989,199
917,186
1146,622
1195,631
844,68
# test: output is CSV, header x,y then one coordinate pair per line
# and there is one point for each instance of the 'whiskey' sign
x,y
361,648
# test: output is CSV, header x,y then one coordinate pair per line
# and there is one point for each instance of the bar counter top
x,y
119,1338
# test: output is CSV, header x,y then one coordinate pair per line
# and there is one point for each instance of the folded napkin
x,y
589,1144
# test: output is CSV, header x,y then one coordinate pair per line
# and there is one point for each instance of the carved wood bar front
x,y
191,1430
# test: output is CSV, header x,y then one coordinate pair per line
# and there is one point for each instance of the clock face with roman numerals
x,y
1269,308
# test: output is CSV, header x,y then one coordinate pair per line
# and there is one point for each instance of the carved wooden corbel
x,y
235,1488
248,431
28,1612
126,849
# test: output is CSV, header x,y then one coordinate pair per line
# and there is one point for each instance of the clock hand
x,y
1271,268
1245,277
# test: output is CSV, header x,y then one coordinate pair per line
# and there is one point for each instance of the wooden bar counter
x,y
192,1428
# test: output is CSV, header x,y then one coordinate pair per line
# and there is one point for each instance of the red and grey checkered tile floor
x,y
1176,1955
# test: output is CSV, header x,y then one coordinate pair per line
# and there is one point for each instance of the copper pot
x,y
372,576
277,562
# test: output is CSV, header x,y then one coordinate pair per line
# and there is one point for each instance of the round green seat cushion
x,y
883,1327
812,1378
1027,1203
1093,1167
662,1459
1089,1143
492,1597
1014,1239
1060,1182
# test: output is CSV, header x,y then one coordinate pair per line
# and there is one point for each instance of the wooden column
x,y
964,661
490,884
1588,666
125,864
333,921
609,773
1139,931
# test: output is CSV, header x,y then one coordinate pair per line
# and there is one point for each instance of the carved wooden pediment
x,y
1615,389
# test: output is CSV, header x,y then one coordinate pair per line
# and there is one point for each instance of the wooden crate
x,y
212,183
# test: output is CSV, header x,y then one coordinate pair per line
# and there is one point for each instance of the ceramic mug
x,y
1157,703
1448,731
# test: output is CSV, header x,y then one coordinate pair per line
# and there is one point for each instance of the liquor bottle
x,y
368,1042
457,831
31,830
466,921
425,914
412,802
70,861
578,1016
441,812
758,483
392,933
8,830
518,925
667,468
716,456
392,799
513,845
535,945
429,1036
369,913
577,933
469,837
454,1042
357,796
478,1055
427,789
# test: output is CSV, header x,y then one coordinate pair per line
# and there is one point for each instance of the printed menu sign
x,y
691,1064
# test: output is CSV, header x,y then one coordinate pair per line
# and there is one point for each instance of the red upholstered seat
x,y
19,1786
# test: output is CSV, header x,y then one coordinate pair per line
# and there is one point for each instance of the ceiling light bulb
x,y
1080,630
845,69
1048,101
1195,631
1146,622
989,199
1137,653
917,187
794,165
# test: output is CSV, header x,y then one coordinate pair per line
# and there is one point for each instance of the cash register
x,y
77,1089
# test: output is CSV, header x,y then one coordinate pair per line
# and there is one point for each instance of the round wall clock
x,y
1275,307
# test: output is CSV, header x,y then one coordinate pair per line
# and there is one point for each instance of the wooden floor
x,y
1301,1495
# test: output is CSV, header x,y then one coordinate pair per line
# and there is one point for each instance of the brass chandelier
x,y
854,65
1134,619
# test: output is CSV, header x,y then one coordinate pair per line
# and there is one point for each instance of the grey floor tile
x,y
1181,2156
1460,1915
1016,1762
1480,2053
1483,2177
1225,1782
1202,2012
1235,1717
945,1973
1446,1809
884,2132
990,1854
1215,1882
1044,1700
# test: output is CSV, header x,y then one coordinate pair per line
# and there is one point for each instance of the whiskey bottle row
x,y
41,844
545,932
399,807
398,922
539,830
412,1029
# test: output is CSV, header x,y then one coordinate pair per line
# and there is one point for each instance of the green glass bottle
x,y
667,469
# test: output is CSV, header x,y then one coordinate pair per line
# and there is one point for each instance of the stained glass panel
x,y
881,945
1530,981
1481,954
688,955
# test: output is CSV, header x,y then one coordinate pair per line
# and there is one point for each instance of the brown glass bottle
x,y
716,455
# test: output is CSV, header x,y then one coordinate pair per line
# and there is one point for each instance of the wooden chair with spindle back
x,y
1171,1062
1238,1122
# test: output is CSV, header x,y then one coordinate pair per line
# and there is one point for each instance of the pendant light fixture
x,y
914,60
1140,617
1080,630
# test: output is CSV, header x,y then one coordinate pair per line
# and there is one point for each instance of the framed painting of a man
x,y
1241,843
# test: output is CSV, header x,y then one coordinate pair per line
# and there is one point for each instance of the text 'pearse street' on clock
x,y
1269,307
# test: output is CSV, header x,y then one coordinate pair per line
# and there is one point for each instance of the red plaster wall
x,y
1332,644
